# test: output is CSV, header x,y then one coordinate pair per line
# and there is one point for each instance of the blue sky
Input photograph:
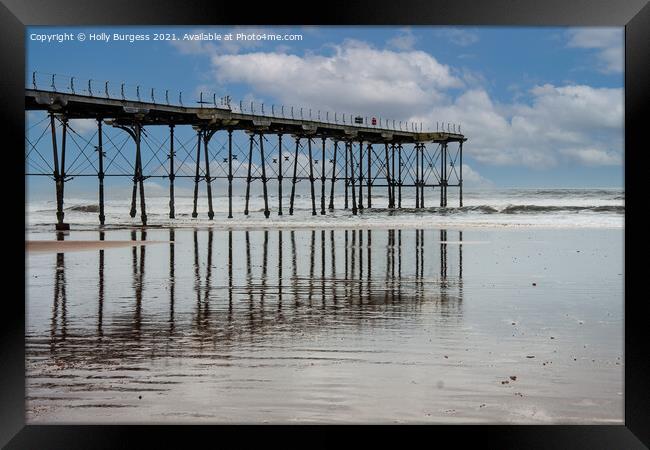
x,y
542,107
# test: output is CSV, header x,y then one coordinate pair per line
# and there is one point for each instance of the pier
x,y
284,145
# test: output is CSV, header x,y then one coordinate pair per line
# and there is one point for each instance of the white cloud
x,y
568,124
83,126
355,78
405,40
608,42
459,36
471,178
594,157
577,124
198,47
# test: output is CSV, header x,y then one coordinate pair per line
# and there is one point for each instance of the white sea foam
x,y
592,208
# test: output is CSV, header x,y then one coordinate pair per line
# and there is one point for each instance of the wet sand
x,y
329,326
77,246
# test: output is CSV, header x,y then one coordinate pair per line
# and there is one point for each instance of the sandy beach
x,y
78,246
328,326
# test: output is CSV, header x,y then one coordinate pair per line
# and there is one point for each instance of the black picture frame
x,y
16,14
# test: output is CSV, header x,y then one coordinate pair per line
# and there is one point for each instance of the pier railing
x,y
134,92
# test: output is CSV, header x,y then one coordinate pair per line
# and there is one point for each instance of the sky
x,y
541,107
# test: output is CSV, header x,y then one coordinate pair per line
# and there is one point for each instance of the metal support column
x,y
354,200
143,206
172,176
360,205
392,179
417,176
347,179
293,180
388,182
134,192
100,172
230,173
446,173
266,196
59,172
322,182
280,174
248,177
443,175
197,178
399,176
311,179
422,181
460,182
369,178
331,204
135,132
206,139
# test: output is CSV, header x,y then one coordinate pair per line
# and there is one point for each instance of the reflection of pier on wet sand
x,y
325,274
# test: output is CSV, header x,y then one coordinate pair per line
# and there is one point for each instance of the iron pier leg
x,y
446,173
197,178
266,197
143,206
248,177
422,181
134,193
280,174
59,177
360,205
230,173
392,189
322,182
369,150
100,172
331,204
311,180
399,176
388,183
172,176
347,180
206,139
354,199
460,183
370,179
294,180
417,176
443,177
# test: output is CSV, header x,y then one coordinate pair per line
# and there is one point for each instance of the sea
x,y
575,208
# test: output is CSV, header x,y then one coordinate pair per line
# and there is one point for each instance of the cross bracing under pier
x,y
277,147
